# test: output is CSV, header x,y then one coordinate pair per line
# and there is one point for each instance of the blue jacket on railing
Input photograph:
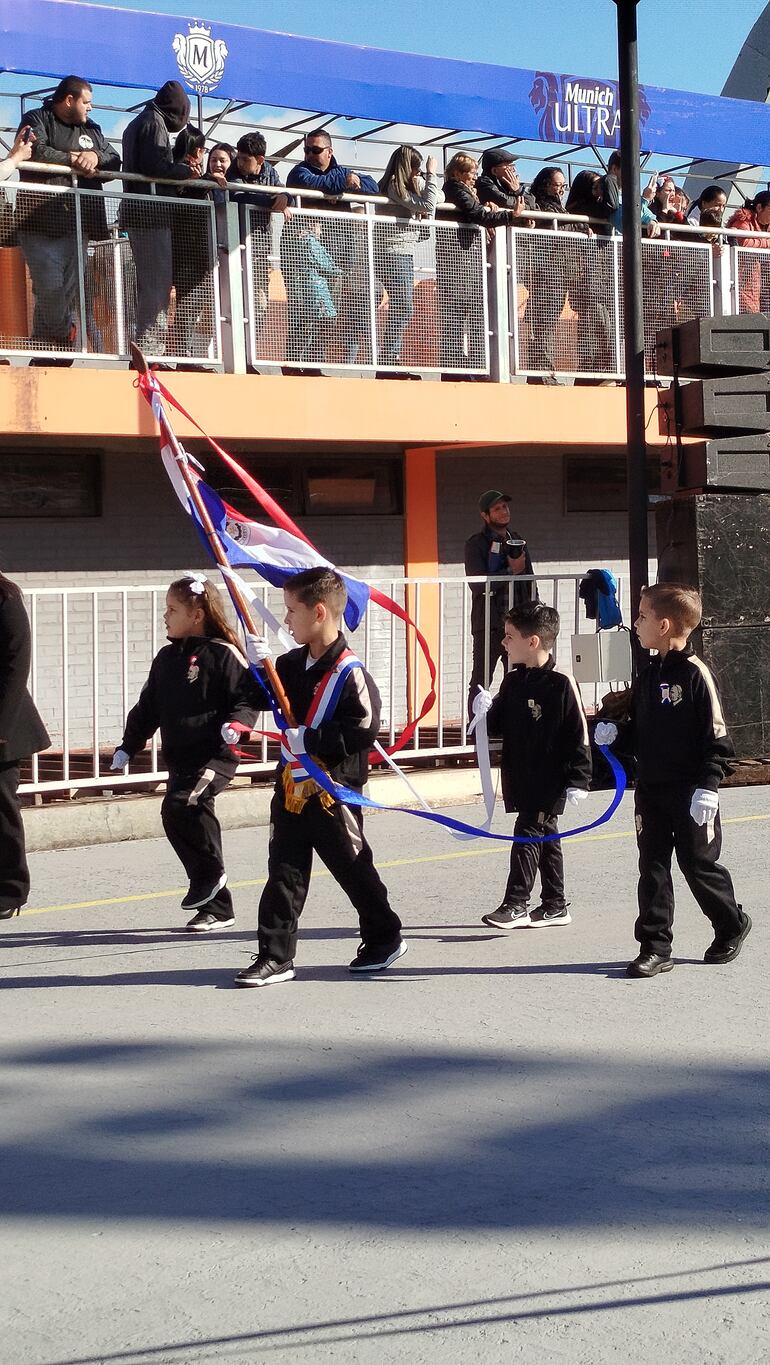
x,y
331,181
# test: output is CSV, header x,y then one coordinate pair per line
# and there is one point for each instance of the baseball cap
x,y
492,496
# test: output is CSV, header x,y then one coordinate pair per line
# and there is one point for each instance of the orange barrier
x,y
14,310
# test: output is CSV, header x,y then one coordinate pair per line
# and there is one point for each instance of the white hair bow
x,y
196,582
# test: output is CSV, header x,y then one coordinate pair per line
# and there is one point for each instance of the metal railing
x,y
92,649
220,286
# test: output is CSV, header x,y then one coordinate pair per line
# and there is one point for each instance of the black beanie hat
x,y
174,105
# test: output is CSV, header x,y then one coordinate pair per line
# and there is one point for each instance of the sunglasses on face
x,y
314,151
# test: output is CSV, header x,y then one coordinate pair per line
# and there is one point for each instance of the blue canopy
x,y
129,48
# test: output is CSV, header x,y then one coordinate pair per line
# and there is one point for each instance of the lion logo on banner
x,y
200,58
551,94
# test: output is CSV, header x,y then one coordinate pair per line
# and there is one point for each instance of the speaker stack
x,y
713,530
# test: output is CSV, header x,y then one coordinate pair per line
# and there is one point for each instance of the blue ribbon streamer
x,y
348,797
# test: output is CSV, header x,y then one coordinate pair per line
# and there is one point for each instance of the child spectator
x,y
199,684
677,733
546,762
336,721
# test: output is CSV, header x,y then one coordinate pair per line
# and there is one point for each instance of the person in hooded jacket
x,y
22,733
63,135
148,150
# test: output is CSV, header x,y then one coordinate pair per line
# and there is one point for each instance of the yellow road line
x,y
322,872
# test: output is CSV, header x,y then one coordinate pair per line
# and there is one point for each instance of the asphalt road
x,y
500,1150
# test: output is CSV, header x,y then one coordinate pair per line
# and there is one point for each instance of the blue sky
x,y
675,47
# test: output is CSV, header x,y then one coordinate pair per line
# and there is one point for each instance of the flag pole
x,y
217,549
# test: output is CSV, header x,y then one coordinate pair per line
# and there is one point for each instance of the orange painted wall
x,y
104,403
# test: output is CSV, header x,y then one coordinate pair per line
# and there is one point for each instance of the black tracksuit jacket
x,y
342,742
677,730
539,714
22,732
195,686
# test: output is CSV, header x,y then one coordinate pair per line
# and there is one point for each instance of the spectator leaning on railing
x,y
411,199
64,135
147,150
459,268
498,185
754,271
193,256
589,275
345,243
713,197
251,168
543,269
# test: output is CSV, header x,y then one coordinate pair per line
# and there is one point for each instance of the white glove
x,y
575,795
704,806
119,760
479,706
294,738
258,649
481,702
605,733
229,734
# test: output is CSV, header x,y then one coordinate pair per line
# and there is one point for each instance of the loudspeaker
x,y
736,463
718,543
739,657
712,346
715,407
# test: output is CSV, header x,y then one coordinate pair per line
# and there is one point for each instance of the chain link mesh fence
x,y
85,272
677,286
567,299
751,273
342,289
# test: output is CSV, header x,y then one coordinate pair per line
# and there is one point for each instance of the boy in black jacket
x,y
336,708
677,733
545,762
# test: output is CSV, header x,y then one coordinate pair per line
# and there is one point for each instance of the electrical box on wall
x,y
604,656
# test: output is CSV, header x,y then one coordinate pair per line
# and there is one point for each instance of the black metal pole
x,y
633,310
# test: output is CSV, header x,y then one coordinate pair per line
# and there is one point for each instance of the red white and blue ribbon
x,y
277,557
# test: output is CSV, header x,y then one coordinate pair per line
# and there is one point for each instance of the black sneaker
x,y
727,949
376,959
265,972
204,922
201,893
507,917
546,915
649,964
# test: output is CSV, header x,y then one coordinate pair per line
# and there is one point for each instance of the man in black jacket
x,y
496,552
65,135
499,184
21,733
147,150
